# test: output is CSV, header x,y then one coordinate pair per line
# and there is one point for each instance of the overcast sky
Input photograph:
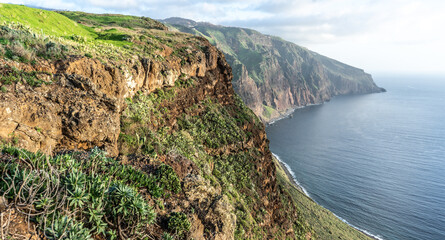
x,y
405,36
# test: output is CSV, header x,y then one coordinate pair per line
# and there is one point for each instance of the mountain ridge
x,y
272,75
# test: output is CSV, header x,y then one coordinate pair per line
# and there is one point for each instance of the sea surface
x,y
376,161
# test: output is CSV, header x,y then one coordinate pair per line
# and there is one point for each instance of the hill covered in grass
x,y
114,129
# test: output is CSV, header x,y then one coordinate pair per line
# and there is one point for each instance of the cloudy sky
x,y
380,36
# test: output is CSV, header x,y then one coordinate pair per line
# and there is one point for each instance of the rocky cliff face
x,y
272,75
80,104
151,98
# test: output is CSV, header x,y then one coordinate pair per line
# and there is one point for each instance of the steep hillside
x,y
272,75
113,130
189,159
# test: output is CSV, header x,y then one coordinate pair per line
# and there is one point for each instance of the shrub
x,y
166,236
168,179
24,55
73,196
66,228
127,208
178,223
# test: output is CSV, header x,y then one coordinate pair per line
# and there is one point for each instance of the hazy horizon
x,y
378,36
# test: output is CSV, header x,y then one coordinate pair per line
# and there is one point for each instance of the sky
x,y
379,36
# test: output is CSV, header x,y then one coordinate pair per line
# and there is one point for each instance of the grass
x,y
241,48
31,35
268,111
42,21
116,20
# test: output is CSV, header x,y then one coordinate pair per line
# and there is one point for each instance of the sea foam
x,y
361,230
292,173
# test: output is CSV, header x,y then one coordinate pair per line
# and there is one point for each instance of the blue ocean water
x,y
376,161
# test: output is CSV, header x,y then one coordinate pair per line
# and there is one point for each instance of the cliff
x,y
114,128
273,76
153,100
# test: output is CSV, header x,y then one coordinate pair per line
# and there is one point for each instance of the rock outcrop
x,y
80,105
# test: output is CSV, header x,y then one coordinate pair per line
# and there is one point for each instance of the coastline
x,y
291,110
291,175
292,179
288,112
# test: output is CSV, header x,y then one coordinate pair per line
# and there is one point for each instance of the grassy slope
x,y
238,44
113,20
48,22
324,223
29,34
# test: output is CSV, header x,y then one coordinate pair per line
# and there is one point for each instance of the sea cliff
x,y
272,75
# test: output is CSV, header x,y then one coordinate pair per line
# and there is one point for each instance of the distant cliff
x,y
272,75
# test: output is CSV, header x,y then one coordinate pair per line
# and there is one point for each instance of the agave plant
x,y
127,208
66,228
95,215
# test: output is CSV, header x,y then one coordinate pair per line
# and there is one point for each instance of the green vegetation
x,y
178,223
42,21
113,20
19,43
240,47
29,35
201,131
86,195
23,44
268,111
10,75
167,179
81,195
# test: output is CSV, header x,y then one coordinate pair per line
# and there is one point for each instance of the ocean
x,y
377,161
